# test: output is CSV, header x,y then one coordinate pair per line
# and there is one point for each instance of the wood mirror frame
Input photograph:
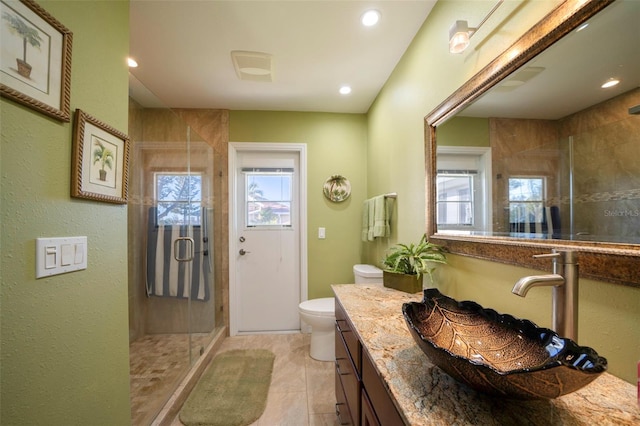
x,y
610,262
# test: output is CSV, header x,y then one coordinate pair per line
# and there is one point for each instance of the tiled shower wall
x,y
209,154
522,147
604,140
606,152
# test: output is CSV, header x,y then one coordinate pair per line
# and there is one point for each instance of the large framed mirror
x,y
564,166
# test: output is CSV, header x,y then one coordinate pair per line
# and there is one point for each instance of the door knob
x,y
243,252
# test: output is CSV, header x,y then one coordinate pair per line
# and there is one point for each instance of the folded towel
x,y
383,207
380,223
371,218
365,221
388,205
376,218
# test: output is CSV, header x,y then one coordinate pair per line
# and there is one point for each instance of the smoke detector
x,y
252,66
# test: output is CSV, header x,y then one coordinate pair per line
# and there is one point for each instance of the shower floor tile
x,y
157,364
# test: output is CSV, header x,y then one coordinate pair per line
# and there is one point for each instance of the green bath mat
x,y
232,392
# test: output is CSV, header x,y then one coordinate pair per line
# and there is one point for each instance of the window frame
x,y
247,173
470,201
187,201
540,203
458,158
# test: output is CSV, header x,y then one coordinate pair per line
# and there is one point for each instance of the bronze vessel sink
x,y
496,353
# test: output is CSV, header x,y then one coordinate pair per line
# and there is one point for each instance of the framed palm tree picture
x,y
100,161
35,61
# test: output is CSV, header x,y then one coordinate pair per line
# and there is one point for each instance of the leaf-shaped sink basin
x,y
499,354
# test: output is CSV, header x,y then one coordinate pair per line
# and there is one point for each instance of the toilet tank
x,y
367,274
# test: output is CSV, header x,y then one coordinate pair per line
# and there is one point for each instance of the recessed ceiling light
x,y
610,83
345,90
370,18
132,63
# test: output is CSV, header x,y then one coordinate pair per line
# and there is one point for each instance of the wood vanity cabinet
x,y
361,397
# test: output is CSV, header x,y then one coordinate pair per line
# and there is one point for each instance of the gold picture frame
x,y
100,161
35,69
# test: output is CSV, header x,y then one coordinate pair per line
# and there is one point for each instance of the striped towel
x,y
526,223
166,276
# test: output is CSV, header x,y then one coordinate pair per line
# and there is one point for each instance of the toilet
x,y
320,315
367,274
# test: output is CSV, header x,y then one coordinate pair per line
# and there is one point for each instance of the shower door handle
x,y
189,245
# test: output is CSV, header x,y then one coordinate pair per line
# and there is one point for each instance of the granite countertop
x,y
426,395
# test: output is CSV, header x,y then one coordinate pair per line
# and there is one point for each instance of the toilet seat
x,y
324,307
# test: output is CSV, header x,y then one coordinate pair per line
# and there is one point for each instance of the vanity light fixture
x,y
582,27
370,18
345,90
460,33
610,83
132,63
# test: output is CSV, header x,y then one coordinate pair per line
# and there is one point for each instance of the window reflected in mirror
x,y
574,178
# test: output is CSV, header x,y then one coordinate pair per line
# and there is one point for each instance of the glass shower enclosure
x,y
172,294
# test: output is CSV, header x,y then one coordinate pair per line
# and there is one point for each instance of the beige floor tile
x,y
302,390
284,409
321,387
289,373
323,420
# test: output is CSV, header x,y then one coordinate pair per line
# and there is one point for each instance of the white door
x,y
267,281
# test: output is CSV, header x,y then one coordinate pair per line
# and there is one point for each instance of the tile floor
x,y
302,389
157,364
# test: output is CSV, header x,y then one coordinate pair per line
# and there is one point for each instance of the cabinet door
x,y
385,410
368,416
342,409
345,373
345,329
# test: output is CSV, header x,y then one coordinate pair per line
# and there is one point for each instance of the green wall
x,y
64,339
464,131
608,314
336,144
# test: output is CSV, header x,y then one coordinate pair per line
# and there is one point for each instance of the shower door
x,y
171,296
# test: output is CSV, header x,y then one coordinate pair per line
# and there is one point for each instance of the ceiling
x,y
183,49
184,52
566,78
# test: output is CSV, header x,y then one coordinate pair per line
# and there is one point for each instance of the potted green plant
x,y
404,265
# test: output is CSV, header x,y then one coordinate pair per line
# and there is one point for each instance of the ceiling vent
x,y
252,66
518,79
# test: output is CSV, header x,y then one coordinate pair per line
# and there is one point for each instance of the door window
x,y
463,190
455,204
268,197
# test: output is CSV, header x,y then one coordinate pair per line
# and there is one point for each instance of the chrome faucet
x,y
564,280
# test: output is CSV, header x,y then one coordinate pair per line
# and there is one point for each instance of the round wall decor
x,y
337,188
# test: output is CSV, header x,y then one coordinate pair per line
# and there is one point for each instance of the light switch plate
x,y
322,233
60,255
